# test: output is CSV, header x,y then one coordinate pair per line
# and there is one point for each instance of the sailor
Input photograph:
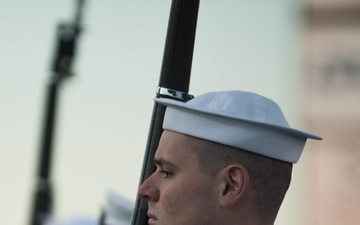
x,y
224,158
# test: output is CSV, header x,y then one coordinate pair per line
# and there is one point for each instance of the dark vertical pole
x,y
43,196
61,68
175,75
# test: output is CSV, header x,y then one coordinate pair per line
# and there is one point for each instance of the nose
x,y
148,190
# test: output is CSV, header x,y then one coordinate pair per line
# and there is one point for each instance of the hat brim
x,y
288,130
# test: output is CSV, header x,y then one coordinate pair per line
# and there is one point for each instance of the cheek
x,y
187,193
172,194
186,202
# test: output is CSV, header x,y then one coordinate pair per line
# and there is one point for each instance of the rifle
x,y
67,35
173,83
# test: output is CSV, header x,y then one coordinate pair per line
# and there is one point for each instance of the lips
x,y
152,218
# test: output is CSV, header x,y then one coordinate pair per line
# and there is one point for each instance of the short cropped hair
x,y
269,178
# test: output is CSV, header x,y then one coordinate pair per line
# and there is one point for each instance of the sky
x,y
105,108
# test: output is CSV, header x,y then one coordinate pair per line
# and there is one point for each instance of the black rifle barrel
x,y
67,35
175,75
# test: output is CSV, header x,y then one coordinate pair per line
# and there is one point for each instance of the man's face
x,y
178,193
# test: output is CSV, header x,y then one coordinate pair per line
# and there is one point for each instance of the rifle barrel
x,y
64,55
175,75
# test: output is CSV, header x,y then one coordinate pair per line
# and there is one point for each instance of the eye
x,y
166,173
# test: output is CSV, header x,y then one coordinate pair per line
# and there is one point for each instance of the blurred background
x,y
303,54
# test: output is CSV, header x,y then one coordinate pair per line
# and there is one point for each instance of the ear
x,y
234,183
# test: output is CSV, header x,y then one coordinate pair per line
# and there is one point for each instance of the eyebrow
x,y
163,162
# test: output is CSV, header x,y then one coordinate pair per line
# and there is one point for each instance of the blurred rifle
x,y
67,35
174,83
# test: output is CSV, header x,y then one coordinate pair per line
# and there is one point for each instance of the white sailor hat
x,y
243,120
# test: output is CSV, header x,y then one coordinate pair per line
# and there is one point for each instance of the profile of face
x,y
178,192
